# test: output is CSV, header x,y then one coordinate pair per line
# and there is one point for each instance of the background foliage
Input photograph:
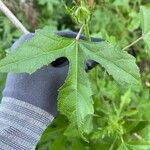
x,y
121,118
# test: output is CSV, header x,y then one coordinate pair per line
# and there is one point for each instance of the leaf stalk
x,y
125,48
79,33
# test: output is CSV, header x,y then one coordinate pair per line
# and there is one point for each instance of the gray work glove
x,y
41,88
29,102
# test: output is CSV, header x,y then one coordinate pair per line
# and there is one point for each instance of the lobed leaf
x,y
117,63
75,96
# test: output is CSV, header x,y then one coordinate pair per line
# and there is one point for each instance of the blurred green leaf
x,y
139,145
145,19
125,100
123,146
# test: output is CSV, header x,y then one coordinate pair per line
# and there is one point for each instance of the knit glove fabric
x,y
29,102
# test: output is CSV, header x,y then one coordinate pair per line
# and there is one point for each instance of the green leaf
x,y
60,142
135,145
145,21
50,4
146,132
75,96
122,147
135,21
122,3
118,63
34,54
139,145
125,100
130,113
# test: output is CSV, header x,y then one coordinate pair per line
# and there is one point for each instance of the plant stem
x,y
79,33
87,33
133,43
12,17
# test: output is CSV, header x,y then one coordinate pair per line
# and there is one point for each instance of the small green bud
x,y
83,15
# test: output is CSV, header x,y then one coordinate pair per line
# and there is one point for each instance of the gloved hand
x,y
29,101
41,88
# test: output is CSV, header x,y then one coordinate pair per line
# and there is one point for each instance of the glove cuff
x,y
22,124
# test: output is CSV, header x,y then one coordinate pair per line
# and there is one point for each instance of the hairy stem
x,y
79,33
133,43
12,17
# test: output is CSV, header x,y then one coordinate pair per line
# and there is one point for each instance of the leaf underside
x,y
75,96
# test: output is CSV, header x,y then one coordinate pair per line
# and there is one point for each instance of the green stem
x,y
113,144
87,32
83,3
141,38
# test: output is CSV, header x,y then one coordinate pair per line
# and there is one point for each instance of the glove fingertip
x,y
21,40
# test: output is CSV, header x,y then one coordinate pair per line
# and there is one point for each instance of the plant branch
x,y
12,17
87,33
133,43
79,33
